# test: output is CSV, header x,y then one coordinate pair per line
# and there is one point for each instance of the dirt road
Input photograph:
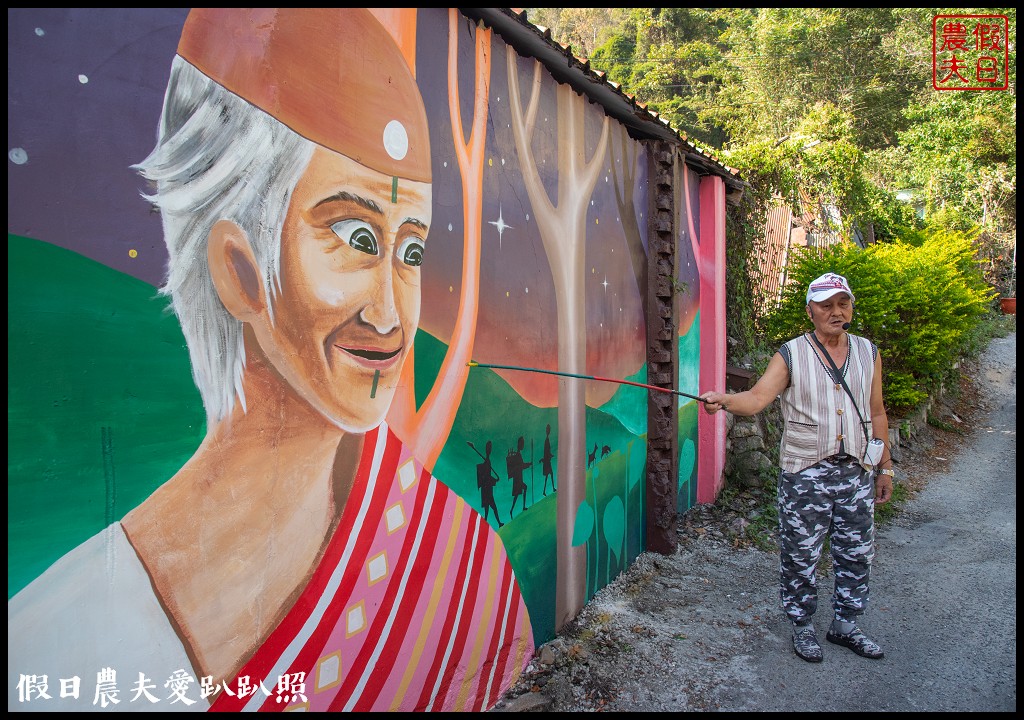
x,y
702,630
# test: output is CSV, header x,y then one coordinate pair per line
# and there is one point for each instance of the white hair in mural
x,y
218,157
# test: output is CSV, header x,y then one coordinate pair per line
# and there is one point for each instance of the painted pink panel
x,y
711,263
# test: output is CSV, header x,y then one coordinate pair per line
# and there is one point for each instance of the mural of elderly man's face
x,y
349,301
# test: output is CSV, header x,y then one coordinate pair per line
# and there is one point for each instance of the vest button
x,y
839,437
839,411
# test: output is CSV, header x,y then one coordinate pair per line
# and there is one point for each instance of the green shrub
x,y
900,389
921,304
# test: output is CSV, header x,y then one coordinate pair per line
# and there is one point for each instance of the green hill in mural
x,y
491,410
102,410
689,375
101,405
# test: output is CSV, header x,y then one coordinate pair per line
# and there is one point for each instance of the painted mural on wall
x,y
688,286
250,463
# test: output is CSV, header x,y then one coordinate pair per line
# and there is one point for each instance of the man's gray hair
x,y
218,158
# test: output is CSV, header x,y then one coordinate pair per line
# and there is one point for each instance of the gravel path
x,y
702,630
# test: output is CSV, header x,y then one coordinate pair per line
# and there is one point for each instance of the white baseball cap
x,y
826,286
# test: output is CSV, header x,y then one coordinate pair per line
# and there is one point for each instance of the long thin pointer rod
x,y
473,363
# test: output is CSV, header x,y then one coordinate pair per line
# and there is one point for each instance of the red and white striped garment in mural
x,y
414,606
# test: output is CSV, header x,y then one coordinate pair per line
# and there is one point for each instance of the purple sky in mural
x,y
85,87
84,96
517,322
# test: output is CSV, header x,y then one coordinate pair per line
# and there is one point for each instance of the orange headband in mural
x,y
333,75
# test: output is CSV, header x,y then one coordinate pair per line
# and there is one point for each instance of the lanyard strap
x,y
840,380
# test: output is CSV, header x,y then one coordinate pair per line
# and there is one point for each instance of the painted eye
x,y
357,234
411,251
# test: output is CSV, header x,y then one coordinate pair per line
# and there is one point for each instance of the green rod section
x,y
473,363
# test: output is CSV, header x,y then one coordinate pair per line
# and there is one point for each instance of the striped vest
x,y
818,414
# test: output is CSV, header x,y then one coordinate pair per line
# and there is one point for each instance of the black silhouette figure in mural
x,y
516,465
605,450
592,456
486,479
545,462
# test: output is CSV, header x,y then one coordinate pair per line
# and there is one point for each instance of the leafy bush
x,y
919,304
891,218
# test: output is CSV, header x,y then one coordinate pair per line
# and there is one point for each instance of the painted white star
x,y
500,224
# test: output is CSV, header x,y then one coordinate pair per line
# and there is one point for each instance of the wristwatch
x,y
888,471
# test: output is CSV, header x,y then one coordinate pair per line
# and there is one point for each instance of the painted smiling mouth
x,y
372,355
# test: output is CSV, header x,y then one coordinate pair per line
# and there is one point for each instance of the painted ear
x,y
234,270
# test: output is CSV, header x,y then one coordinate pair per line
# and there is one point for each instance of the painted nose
x,y
381,312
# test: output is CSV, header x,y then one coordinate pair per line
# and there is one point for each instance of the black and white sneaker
x,y
805,643
858,642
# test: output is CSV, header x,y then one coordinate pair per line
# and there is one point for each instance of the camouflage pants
x,y
834,498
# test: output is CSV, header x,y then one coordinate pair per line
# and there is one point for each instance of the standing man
x,y
827,380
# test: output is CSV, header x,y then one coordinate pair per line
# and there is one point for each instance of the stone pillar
x,y
662,354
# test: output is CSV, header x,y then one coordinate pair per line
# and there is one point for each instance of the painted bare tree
x,y
625,163
563,231
428,428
